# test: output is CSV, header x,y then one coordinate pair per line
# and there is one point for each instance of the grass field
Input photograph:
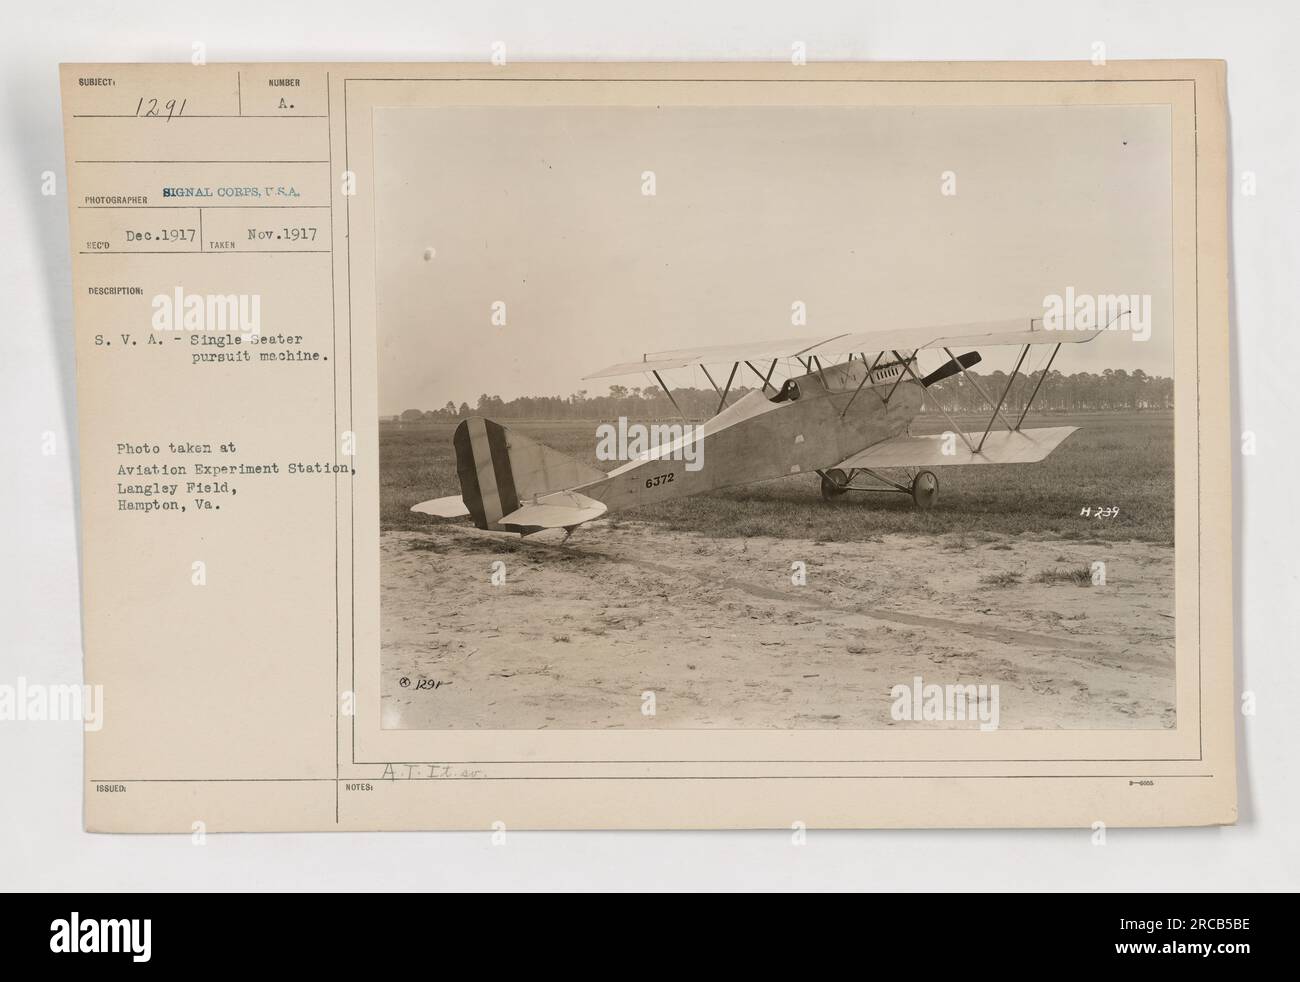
x,y
1115,460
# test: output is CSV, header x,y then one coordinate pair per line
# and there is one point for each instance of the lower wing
x,y
1002,447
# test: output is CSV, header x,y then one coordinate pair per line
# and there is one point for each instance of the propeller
x,y
951,368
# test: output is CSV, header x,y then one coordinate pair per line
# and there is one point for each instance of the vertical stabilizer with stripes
x,y
511,483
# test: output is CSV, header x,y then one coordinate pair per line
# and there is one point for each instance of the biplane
x,y
845,416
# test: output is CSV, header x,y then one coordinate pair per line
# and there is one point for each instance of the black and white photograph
x,y
901,454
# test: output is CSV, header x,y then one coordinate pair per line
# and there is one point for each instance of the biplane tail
x,y
511,483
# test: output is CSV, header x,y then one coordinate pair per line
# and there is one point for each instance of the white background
x,y
42,845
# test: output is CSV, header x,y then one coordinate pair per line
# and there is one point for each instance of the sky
x,y
755,208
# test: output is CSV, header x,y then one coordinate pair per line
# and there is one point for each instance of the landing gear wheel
x,y
833,483
925,489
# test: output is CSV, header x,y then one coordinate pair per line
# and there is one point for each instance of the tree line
x,y
1111,389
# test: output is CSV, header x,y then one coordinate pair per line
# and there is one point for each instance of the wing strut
x,y
899,380
730,378
879,358
997,410
822,375
907,367
866,377
668,392
1046,369
721,392
766,378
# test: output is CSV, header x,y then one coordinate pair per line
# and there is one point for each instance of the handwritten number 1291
x,y
163,110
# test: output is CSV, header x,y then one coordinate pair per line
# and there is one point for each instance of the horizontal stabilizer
x,y
1000,447
451,507
563,509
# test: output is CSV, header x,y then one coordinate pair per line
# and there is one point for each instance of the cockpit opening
x,y
789,392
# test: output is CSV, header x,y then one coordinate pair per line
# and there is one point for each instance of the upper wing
x,y
653,361
986,334
1016,331
1000,447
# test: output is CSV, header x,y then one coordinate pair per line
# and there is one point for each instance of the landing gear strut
x,y
924,487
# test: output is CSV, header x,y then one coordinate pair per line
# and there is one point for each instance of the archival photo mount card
x,y
653,446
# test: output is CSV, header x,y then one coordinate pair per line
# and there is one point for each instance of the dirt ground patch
x,y
716,629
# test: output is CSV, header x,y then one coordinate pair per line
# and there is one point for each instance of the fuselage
x,y
762,436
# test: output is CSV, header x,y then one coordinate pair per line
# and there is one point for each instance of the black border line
x,y
334,409
644,777
1196,310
